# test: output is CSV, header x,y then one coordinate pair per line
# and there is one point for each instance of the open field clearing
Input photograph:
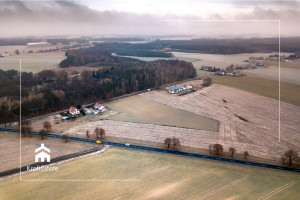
x,y
72,70
290,93
289,75
153,176
10,50
10,149
32,62
141,110
219,60
287,64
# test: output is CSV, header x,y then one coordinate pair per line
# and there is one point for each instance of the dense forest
x,y
50,91
101,56
232,46
149,49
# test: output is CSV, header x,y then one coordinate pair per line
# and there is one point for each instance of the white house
x,y
42,155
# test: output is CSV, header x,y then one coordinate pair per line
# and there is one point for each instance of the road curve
x,y
166,151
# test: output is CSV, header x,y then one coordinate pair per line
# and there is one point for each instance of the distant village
x,y
252,63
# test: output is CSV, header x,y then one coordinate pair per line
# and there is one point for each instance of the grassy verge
x,y
290,93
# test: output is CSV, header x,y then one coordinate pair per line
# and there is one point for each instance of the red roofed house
x,y
74,111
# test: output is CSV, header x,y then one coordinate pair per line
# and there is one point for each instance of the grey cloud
x,y
71,18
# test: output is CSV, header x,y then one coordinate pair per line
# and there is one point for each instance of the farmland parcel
x,y
155,176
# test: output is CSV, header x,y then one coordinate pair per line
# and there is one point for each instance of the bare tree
x,y
29,130
168,141
96,131
232,151
206,81
218,149
27,123
175,142
101,132
246,154
42,133
23,130
282,159
210,149
47,125
290,155
87,133
65,137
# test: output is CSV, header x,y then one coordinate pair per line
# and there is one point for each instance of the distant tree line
x,y
148,49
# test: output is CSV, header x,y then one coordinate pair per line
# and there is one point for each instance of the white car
x,y
127,144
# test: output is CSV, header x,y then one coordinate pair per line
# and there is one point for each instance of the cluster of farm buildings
x,y
222,72
74,112
185,89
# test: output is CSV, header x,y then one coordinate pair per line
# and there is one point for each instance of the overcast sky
x,y
150,17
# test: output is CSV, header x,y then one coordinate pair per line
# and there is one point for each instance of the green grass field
x,y
139,109
290,93
152,176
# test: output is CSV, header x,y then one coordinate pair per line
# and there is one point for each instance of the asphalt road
x,y
166,151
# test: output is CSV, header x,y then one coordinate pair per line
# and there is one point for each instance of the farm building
x,y
74,111
175,89
99,107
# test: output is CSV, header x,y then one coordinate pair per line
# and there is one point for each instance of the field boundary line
x,y
224,187
266,196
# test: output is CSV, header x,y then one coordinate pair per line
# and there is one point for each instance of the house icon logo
x,y
42,155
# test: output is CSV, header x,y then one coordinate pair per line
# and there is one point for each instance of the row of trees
x,y
172,141
97,132
217,149
27,129
290,156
